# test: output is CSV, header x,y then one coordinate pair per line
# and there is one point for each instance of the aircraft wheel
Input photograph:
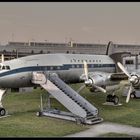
x,y
39,114
132,95
115,99
2,111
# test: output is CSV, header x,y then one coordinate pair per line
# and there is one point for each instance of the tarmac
x,y
106,127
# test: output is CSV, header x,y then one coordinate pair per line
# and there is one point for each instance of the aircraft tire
x,y
132,95
2,111
115,99
39,114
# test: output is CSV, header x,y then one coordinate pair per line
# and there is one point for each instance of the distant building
x,y
20,49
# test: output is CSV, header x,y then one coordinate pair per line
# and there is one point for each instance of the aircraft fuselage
x,y
69,67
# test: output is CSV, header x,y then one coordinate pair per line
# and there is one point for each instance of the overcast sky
x,y
87,22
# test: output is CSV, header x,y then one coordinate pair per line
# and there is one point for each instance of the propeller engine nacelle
x,y
95,80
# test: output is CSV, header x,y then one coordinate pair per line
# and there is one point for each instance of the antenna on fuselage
x,y
108,46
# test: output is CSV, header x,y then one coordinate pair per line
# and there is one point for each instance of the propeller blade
x,y
81,88
128,95
86,69
99,88
123,69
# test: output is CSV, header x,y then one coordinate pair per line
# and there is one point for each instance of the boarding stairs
x,y
81,110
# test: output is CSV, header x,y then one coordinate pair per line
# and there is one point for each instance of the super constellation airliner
x,y
97,71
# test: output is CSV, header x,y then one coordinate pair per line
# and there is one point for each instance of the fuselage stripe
x,y
54,68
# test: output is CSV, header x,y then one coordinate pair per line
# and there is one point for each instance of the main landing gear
x,y
2,110
112,98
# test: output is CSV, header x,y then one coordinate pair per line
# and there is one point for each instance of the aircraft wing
x,y
118,76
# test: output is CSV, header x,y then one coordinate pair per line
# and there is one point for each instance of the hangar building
x,y
19,49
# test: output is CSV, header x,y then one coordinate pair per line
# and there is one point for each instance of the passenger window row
x,y
5,67
74,60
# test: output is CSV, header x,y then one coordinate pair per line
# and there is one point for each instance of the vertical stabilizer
x,y
108,46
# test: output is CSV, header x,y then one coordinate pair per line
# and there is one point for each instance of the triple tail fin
x,y
108,46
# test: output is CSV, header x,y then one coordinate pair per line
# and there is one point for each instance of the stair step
x,y
90,117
